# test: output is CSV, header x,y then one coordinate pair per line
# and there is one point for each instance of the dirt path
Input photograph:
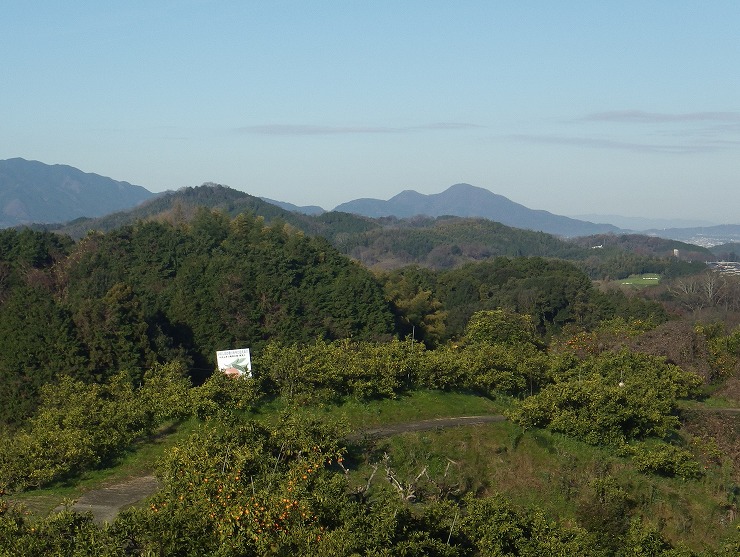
x,y
424,425
105,503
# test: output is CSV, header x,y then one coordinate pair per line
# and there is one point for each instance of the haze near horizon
x,y
626,108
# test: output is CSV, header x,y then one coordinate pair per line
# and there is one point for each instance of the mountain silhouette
x,y
464,200
34,192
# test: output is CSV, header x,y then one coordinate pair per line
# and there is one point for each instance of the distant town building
x,y
726,267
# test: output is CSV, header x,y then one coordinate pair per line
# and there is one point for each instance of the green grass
x,y
709,403
648,279
545,470
534,468
410,407
416,406
138,461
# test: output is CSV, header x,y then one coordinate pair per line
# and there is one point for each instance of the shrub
x,y
663,459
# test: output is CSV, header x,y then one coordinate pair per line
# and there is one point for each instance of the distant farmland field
x,y
648,279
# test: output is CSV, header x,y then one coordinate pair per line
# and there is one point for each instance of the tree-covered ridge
x,y
181,288
438,305
157,292
179,206
642,244
160,290
446,242
437,243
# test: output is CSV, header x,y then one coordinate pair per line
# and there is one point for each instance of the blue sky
x,y
618,107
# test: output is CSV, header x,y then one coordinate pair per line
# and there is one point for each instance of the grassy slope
x,y
534,468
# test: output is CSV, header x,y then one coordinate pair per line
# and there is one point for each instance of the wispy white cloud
x,y
308,129
639,116
599,143
692,132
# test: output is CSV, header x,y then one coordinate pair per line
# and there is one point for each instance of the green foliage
x,y
644,540
613,304
553,292
485,368
64,533
80,426
418,313
26,248
102,318
663,459
500,326
221,396
497,528
611,398
38,345
236,489
724,350
156,292
115,332
604,509
447,242
326,371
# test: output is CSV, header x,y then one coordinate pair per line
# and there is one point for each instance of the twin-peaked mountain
x,y
464,200
32,192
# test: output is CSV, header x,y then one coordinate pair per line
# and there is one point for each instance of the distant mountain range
x,y
464,200
639,224
306,209
34,192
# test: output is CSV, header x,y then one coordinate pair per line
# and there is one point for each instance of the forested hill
x,y
390,243
643,245
447,242
160,292
384,243
180,206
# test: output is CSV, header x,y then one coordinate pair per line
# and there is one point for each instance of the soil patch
x,y
424,425
105,503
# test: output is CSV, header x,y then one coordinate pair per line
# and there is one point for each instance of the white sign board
x,y
235,363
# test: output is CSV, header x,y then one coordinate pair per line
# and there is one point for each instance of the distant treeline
x,y
178,289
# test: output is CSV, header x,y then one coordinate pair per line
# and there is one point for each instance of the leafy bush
x,y
500,326
341,368
663,459
81,426
221,395
611,398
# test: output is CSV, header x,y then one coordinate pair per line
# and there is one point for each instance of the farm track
x,y
106,502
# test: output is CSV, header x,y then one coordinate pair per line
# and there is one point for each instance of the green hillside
x,y
436,243
620,432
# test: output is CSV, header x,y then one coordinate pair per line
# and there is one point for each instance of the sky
x,y
575,107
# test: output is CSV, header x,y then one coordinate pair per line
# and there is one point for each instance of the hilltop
x,y
464,200
34,192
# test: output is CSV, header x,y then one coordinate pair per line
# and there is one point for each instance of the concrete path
x,y
106,502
